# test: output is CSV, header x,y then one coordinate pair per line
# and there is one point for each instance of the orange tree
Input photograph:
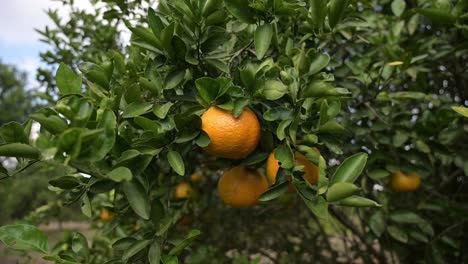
x,y
257,85
406,74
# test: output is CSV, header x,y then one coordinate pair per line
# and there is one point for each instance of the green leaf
x,y
154,253
239,106
155,22
86,205
317,14
418,236
422,146
408,95
58,260
318,62
13,132
67,81
461,110
398,234
358,201
174,78
398,7
104,142
437,15
135,248
285,156
241,10
162,110
52,123
210,89
80,244
65,182
176,162
19,150
336,10
406,217
185,243
377,223
137,197
166,40
317,205
400,138
274,192
120,174
319,88
378,174
203,140
94,73
135,109
170,259
331,127
350,169
273,90
276,113
263,35
341,190
147,124
281,129
152,85
24,237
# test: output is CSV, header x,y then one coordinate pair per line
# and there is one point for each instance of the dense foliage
x,y
375,86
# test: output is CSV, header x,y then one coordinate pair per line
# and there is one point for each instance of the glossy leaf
x,y
137,197
274,192
154,253
318,62
135,109
461,110
398,7
120,174
263,35
336,10
24,237
176,162
241,10
357,201
318,206
285,156
67,81
19,150
135,248
65,182
317,14
377,223
341,190
13,132
185,243
274,90
350,169
398,234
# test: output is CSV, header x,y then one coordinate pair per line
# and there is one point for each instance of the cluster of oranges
x,y
236,138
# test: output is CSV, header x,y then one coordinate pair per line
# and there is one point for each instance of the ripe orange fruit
x,y
401,182
241,186
230,137
196,177
311,170
183,190
106,216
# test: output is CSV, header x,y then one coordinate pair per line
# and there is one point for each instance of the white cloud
x,y
18,18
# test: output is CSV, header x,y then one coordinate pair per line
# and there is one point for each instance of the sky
x,y
19,43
